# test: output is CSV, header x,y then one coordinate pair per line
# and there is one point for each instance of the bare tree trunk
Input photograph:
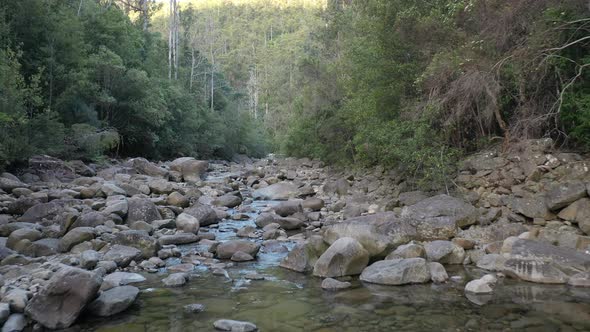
x,y
190,86
170,42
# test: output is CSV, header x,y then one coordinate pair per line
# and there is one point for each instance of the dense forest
x,y
405,84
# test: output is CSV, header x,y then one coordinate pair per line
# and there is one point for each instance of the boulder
x,y
410,250
531,207
339,187
438,274
442,209
63,298
542,262
122,255
288,223
346,256
334,285
111,189
113,301
117,279
483,285
22,234
41,248
313,203
303,256
227,200
9,185
76,236
192,170
445,252
175,280
139,240
288,208
240,256
15,323
178,238
204,214
187,223
281,191
142,209
226,250
89,259
562,194
47,211
397,272
177,199
143,166
234,326
118,207
50,169
91,219
16,298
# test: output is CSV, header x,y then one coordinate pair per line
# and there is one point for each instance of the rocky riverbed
x,y
292,245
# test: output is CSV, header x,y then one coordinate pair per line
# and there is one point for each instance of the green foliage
x,y
78,80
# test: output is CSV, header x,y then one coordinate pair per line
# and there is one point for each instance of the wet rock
x,y
178,238
15,323
64,297
122,255
142,209
334,285
113,301
192,170
288,208
397,272
483,285
442,208
175,280
438,274
346,256
194,308
117,279
76,236
241,256
204,214
410,250
445,252
281,191
187,223
227,249
562,194
302,257
234,326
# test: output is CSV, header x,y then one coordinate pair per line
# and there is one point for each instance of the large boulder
x,y
346,256
9,184
562,194
178,238
578,212
397,272
18,235
187,223
143,166
205,214
192,170
50,169
47,211
445,252
542,262
281,191
530,207
442,209
380,233
91,219
76,236
142,209
113,301
227,200
139,240
226,249
339,187
288,223
303,256
288,208
122,255
63,298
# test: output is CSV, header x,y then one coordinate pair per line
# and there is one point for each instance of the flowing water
x,y
289,301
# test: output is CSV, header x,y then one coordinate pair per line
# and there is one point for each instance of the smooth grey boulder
x,y
15,323
303,256
226,250
227,200
175,280
205,214
178,238
346,256
63,298
288,223
397,272
91,219
285,209
187,223
410,250
442,208
192,170
484,285
331,284
281,191
438,274
445,252
113,301
122,255
140,240
76,236
120,279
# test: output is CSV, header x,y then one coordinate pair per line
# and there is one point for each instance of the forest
x,y
410,85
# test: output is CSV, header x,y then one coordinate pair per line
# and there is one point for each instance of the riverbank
x,y
281,244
